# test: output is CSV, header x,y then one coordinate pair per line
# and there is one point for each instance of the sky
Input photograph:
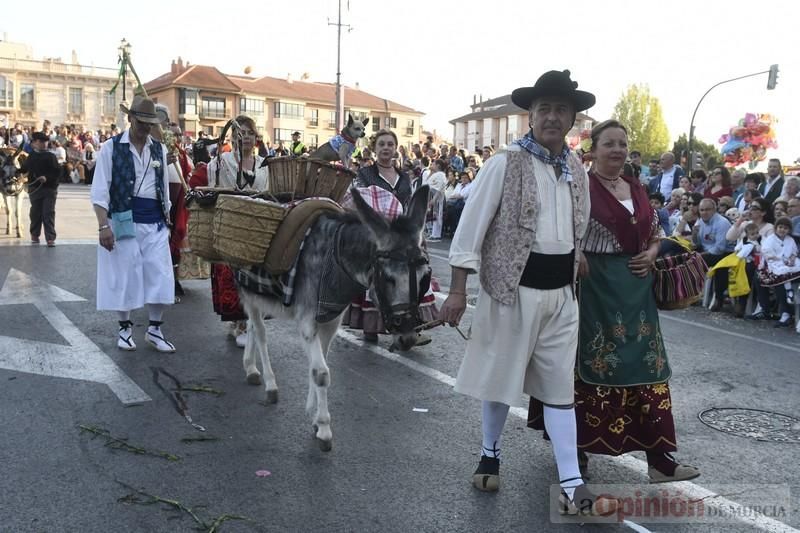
x,y
434,56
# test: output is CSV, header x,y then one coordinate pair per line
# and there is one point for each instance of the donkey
x,y
12,187
342,255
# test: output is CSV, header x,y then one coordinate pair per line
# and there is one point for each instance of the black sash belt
x,y
546,272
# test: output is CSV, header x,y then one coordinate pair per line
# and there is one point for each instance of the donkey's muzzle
x,y
402,319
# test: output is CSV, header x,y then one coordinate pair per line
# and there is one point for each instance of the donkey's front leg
x,y
319,376
8,213
18,215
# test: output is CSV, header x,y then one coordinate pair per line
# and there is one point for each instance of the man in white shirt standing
x,y
130,195
522,228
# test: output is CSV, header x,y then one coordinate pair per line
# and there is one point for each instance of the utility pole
x,y
339,88
771,83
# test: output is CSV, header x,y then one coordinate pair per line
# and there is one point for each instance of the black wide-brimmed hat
x,y
553,83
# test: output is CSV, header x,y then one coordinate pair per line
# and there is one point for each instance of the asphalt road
x,y
404,443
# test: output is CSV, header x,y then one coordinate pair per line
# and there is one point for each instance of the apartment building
x,y
202,98
498,121
34,90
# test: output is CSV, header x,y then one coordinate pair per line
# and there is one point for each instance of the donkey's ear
x,y
418,207
378,225
365,122
349,120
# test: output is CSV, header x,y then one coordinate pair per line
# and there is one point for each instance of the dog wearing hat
x,y
342,146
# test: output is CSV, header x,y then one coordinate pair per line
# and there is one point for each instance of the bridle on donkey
x,y
405,314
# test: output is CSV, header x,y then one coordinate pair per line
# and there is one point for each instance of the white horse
x,y
12,187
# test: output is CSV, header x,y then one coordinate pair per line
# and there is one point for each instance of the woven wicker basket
x,y
201,222
322,178
244,227
283,173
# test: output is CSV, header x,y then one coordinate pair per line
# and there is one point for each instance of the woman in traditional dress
x,y
223,288
622,395
384,174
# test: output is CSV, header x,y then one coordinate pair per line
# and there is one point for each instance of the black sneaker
x,y
487,475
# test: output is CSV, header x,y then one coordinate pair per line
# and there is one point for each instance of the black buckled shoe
x,y
487,475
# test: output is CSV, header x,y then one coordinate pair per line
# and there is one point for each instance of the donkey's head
x,y
10,173
400,271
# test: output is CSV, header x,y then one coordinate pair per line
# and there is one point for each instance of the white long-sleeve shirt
x,y
145,184
553,218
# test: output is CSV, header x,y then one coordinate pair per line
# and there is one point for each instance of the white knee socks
x,y
562,429
494,418
124,316
156,312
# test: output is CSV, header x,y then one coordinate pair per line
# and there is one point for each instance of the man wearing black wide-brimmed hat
x,y
522,228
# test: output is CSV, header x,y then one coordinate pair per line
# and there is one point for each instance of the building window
x,y
314,121
251,107
312,140
6,92
109,103
390,122
187,104
76,100
209,130
284,110
332,119
376,123
27,97
410,127
284,135
213,107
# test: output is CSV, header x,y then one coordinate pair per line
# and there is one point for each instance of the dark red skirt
x,y
224,294
617,420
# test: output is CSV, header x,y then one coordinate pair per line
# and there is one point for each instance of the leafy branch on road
x,y
140,497
199,387
199,438
118,443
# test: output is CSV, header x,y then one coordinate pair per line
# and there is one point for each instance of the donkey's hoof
x,y
325,445
254,379
272,396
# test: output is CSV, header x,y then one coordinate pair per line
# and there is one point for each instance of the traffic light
x,y
772,81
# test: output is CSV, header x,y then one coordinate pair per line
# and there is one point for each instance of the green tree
x,y
711,156
640,112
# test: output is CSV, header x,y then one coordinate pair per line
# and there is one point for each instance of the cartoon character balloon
x,y
748,141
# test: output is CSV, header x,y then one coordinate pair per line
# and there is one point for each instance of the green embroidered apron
x,y
620,342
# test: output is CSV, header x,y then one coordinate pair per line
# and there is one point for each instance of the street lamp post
x,y
124,57
339,89
773,73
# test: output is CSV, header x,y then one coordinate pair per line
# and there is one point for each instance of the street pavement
x,y
404,445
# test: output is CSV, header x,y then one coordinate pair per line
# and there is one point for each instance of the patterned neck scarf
x,y
543,154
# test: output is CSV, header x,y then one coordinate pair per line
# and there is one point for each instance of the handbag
x,y
679,280
122,225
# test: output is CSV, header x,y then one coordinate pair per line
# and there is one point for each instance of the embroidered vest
x,y
511,233
123,176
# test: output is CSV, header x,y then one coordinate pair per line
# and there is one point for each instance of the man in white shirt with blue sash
x,y
131,201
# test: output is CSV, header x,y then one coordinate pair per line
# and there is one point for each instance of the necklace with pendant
x,y
611,181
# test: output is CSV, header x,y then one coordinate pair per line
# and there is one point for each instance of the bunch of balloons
x,y
748,141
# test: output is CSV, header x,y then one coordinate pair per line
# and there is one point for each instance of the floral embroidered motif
x,y
602,392
605,356
619,330
660,388
665,404
592,420
645,329
618,426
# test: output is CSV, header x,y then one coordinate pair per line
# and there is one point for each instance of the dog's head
x,y
355,129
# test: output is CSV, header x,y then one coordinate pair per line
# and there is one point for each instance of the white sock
x,y
757,309
124,316
494,416
563,431
785,317
155,312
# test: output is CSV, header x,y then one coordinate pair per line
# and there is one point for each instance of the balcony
x,y
313,123
332,124
409,131
213,114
